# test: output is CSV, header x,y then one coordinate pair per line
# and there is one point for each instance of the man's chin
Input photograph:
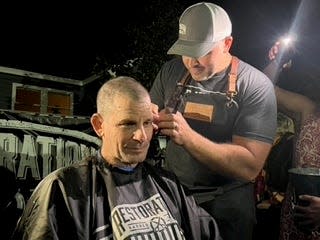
x,y
136,158
199,77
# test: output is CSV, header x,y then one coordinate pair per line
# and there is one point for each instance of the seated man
x,y
115,194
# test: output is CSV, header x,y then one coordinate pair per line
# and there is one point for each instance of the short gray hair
x,y
123,86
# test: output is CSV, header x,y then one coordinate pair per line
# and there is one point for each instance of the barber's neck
x,y
222,65
225,63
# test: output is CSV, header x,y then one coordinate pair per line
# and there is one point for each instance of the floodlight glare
x,y
286,40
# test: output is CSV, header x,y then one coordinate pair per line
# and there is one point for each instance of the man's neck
x,y
225,63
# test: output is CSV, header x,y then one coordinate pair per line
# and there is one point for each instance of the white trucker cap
x,y
200,26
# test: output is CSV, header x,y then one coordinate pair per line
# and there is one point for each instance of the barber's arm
x,y
243,158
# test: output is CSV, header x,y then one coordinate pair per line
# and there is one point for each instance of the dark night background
x,y
76,40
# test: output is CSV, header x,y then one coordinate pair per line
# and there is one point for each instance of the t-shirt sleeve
x,y
258,116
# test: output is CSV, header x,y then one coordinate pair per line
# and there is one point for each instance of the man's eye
x,y
148,123
128,124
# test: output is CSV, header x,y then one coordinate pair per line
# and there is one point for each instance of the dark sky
x,y
65,40
57,39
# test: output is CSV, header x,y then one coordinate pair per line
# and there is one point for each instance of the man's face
x,y
127,132
205,67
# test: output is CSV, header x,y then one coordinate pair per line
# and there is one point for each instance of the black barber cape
x,y
90,200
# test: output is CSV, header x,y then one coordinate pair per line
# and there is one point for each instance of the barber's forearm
x,y
224,158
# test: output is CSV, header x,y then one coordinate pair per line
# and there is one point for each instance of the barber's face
x,y
127,132
205,67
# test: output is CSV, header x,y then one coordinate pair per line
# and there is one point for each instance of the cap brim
x,y
190,48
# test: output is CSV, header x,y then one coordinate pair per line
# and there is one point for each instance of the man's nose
x,y
191,62
140,134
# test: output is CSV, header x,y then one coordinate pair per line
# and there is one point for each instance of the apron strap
x,y
232,88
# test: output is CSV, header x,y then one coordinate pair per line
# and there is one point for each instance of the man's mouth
x,y
139,149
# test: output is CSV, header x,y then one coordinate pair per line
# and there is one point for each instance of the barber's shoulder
x,y
247,67
248,71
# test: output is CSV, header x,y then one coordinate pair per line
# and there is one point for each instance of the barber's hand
x,y
175,126
308,216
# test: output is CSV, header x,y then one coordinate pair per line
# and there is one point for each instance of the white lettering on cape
x,y
148,219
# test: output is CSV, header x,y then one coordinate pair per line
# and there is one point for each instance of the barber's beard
x,y
208,77
203,76
203,72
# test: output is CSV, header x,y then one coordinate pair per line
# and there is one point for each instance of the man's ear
x,y
96,122
228,43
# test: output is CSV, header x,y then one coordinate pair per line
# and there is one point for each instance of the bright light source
x,y
287,40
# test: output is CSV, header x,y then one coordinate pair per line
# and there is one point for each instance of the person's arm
x,y
295,103
273,69
291,103
278,61
243,158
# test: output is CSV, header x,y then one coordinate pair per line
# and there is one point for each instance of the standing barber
x,y
223,131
